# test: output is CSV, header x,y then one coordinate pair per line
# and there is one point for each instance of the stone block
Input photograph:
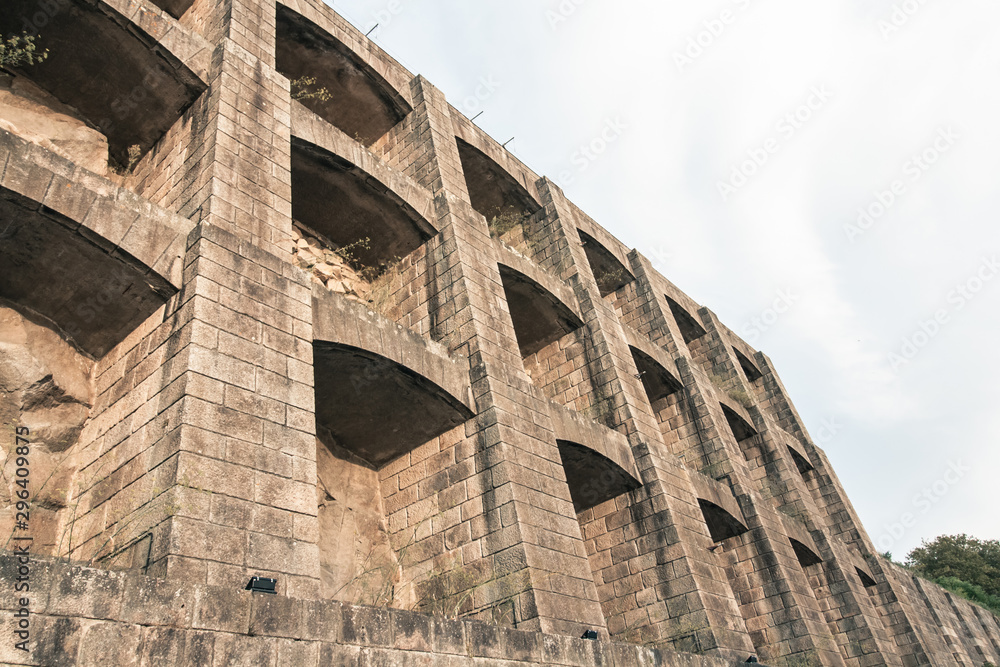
x,y
367,626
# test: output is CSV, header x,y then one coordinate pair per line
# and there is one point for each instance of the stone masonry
x,y
270,306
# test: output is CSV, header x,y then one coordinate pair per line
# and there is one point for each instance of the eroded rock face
x,y
45,385
357,561
370,286
29,112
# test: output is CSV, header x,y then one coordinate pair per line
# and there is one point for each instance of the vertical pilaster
x,y
527,534
229,162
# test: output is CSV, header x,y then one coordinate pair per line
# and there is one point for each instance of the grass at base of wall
x,y
971,593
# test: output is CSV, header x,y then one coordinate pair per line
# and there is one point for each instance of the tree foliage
x,y
973,561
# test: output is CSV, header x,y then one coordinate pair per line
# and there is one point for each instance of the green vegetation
x,y
968,559
512,228
505,221
737,393
20,51
302,89
966,566
134,155
609,280
741,396
971,593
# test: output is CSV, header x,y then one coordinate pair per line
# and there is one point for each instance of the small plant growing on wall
x,y
511,227
609,280
302,89
741,397
738,394
134,154
717,380
20,51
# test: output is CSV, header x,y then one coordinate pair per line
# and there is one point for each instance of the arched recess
x,y
592,477
377,408
804,554
691,330
802,542
175,8
801,462
749,368
381,390
539,317
362,103
741,428
598,461
83,264
93,259
611,275
492,190
719,508
722,525
106,70
345,204
866,579
658,382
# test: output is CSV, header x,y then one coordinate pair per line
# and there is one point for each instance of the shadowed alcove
x,y
539,317
376,408
340,201
491,188
115,77
361,103
592,477
610,274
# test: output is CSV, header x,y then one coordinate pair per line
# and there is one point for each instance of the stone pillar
x,y
203,457
228,161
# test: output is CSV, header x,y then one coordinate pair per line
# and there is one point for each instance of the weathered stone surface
x,y
45,387
33,114
357,560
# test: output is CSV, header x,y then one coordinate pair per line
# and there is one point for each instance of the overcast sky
x,y
746,138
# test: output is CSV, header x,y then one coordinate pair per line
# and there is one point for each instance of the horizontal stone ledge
x,y
506,256
92,258
311,130
186,46
339,320
571,426
112,217
72,606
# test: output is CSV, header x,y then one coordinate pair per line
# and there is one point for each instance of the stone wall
x,y
490,409
89,617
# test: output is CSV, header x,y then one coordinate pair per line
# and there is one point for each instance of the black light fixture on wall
x,y
262,585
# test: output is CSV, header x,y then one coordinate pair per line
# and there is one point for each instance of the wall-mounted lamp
x,y
262,585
